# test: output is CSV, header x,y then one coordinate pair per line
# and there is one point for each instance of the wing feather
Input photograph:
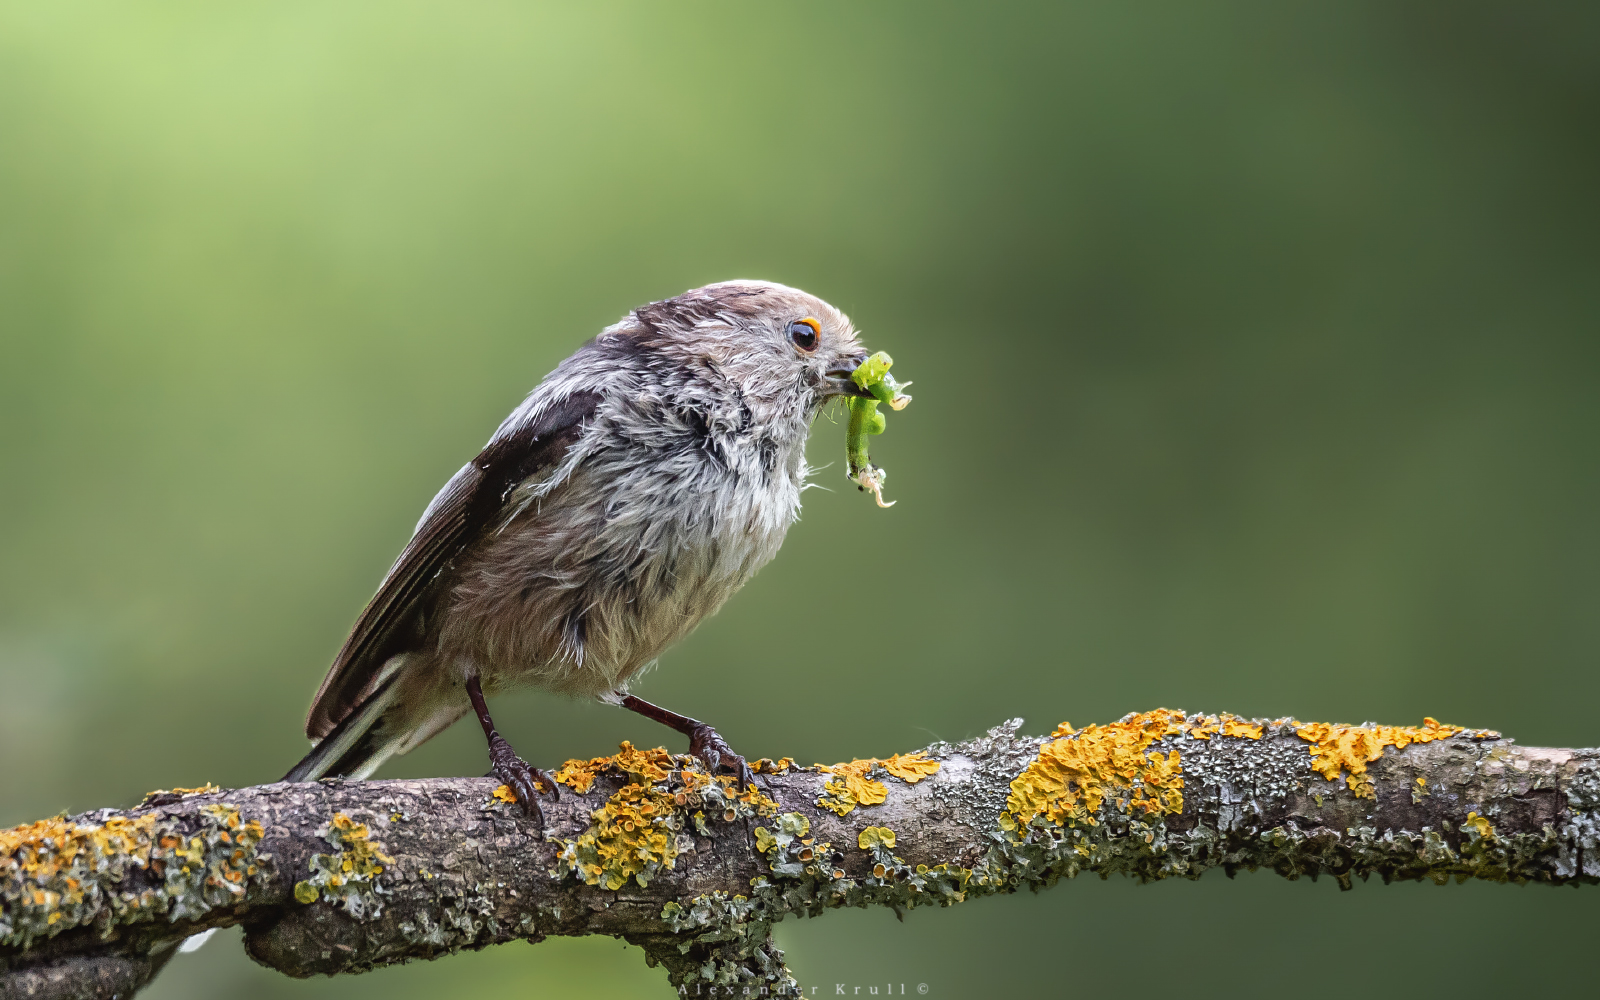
x,y
468,505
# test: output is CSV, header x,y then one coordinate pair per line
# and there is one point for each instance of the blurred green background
x,y
1256,357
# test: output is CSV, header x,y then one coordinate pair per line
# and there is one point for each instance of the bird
x,y
632,492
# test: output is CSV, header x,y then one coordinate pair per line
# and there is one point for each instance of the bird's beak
x,y
838,378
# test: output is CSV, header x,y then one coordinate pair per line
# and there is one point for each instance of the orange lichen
x,y
648,766
1225,725
1479,825
204,789
840,795
1072,776
361,854
636,832
627,837
750,795
766,765
345,875
1338,748
505,795
56,873
911,767
39,852
1076,773
851,785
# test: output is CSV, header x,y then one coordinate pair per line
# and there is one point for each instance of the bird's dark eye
x,y
803,333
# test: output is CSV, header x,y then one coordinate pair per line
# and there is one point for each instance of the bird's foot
x,y
523,779
705,743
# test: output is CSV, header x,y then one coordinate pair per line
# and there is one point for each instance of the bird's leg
x,y
703,740
511,769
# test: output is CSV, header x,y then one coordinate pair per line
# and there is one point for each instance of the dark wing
x,y
467,505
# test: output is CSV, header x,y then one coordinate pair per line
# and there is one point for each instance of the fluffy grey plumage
x,y
633,491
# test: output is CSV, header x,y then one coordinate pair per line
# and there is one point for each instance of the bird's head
x,y
782,348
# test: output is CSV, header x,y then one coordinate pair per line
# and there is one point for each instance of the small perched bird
x,y
636,488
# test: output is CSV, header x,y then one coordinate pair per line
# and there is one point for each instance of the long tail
x,y
357,745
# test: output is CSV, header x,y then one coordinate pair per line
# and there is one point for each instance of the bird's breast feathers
x,y
653,519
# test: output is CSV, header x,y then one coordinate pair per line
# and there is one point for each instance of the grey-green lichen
x,y
733,932
110,869
788,849
731,936
461,922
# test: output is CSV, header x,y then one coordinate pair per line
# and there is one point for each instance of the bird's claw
x,y
524,780
706,744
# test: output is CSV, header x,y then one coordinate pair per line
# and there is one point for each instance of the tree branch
x,y
339,877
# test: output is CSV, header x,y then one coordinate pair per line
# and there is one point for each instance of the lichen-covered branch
x,y
340,877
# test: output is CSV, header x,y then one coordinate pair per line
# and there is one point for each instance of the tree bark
x,y
339,877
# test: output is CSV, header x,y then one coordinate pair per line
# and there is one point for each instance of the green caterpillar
x,y
873,376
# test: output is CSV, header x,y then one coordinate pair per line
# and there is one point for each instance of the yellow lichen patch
x,y
1337,748
1479,825
347,875
910,767
579,775
851,785
875,836
840,795
636,832
1072,776
46,864
204,789
1240,729
1079,770
647,766
504,794
627,839
362,855
57,873
767,765
1224,725
857,768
